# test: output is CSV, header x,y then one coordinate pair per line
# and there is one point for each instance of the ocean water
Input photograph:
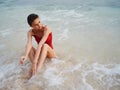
x,y
86,38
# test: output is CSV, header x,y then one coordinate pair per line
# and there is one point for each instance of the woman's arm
x,y
29,43
44,38
28,47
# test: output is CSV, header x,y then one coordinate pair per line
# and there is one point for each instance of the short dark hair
x,y
31,18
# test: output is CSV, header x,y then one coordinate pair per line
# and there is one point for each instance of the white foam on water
x,y
58,72
64,35
53,78
107,77
72,13
8,73
52,74
115,69
9,69
57,61
45,18
5,32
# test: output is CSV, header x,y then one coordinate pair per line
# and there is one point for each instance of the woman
x,y
43,37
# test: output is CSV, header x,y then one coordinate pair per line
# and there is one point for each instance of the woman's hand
x,y
23,59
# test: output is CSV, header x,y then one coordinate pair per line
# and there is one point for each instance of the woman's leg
x,y
31,56
46,51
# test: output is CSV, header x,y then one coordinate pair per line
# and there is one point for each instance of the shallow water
x,y
85,37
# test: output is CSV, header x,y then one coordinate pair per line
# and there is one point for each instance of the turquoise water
x,y
86,38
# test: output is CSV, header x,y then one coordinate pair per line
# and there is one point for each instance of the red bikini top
x,y
48,41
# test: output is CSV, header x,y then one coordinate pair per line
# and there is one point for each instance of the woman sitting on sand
x,y
43,36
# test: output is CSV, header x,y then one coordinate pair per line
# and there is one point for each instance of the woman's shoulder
x,y
47,29
30,32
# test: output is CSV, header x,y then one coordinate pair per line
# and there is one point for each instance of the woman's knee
x,y
32,52
44,47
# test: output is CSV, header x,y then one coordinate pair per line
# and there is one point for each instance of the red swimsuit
x,y
48,41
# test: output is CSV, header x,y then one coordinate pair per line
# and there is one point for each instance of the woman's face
x,y
36,24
